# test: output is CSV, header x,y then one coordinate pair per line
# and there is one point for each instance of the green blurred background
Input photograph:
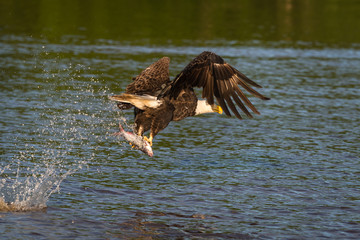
x,y
330,22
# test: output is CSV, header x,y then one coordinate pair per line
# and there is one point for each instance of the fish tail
x,y
121,128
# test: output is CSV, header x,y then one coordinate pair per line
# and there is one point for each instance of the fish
x,y
138,142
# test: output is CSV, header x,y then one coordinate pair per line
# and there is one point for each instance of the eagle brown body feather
x,y
209,71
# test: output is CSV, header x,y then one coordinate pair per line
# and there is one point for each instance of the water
x,y
292,172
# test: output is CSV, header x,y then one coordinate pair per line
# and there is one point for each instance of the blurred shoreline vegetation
x,y
333,22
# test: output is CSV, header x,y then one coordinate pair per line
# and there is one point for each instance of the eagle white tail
x,y
139,101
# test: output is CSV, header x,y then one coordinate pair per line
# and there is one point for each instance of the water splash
x,y
33,176
29,193
50,127
124,122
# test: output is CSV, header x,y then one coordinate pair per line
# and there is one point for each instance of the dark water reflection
x,y
292,172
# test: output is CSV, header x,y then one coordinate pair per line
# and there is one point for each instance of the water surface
x,y
292,172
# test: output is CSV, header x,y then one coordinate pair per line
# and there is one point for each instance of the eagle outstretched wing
x,y
151,80
218,79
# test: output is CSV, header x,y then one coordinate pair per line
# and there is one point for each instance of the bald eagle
x,y
158,101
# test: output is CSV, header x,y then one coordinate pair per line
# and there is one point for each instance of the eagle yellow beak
x,y
217,109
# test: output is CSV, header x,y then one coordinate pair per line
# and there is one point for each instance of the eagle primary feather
x,y
218,79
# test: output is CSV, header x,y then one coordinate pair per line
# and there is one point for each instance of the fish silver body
x,y
137,141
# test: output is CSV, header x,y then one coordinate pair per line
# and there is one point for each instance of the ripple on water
x,y
290,172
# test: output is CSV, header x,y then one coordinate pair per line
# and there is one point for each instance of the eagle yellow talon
x,y
149,140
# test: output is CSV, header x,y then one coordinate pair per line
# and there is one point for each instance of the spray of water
x,y
69,121
31,192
